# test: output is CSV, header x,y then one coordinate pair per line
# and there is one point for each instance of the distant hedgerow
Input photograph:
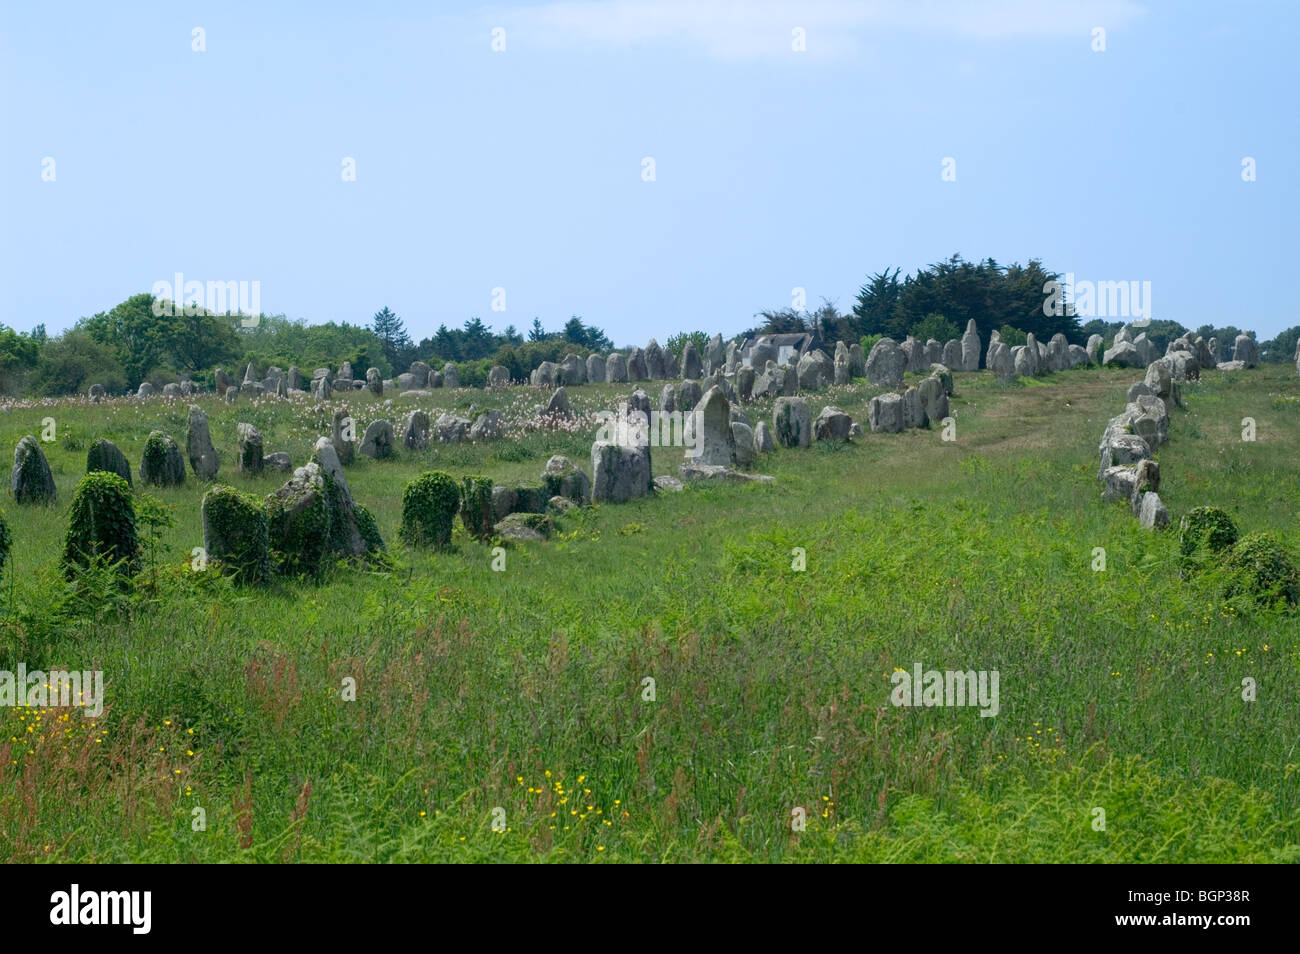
x,y
102,525
429,505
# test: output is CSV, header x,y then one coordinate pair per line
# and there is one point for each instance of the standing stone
x,y
221,379
616,369
250,373
145,390
857,363
544,375
933,352
914,352
489,426
1001,361
691,366
345,374
934,399
745,383
885,413
913,410
1058,353
1244,350
343,434
375,382
792,422
198,445
595,369
558,406
714,357
574,370
104,455
815,371
1094,348
563,478
832,424
842,373
668,399
760,353
733,359
161,464
1152,514
415,430
654,361
1022,363
952,354
885,364
352,530
321,389
419,372
250,449
378,441
294,382
763,438
742,439
619,472
1035,354
636,365
970,348
499,376
714,442
450,375
688,396
31,480
671,366
1297,356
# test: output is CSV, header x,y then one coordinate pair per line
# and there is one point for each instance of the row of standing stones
x,y
621,470
1128,470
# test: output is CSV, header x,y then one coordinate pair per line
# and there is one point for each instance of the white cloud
x,y
732,30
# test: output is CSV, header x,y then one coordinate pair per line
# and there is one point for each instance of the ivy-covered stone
x,y
101,525
476,507
298,524
353,531
104,455
429,505
161,464
235,534
1203,533
31,481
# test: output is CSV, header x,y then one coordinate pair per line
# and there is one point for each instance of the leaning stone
x,y
31,481
198,444
378,441
104,455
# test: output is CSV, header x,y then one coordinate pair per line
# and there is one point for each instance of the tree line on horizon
x,y
131,343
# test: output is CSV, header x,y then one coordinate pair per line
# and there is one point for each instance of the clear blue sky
x,y
522,169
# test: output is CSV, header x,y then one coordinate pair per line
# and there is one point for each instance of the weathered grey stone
x,y
558,406
619,473
689,394
885,413
913,410
745,383
1124,354
669,484
524,528
406,382
1094,348
1159,378
616,369
654,361
343,434
198,445
488,426
379,440
1058,353
1002,361
885,364
815,370
278,461
574,370
760,353
934,399
1138,388
499,376
451,375
321,389
375,381
1076,356
668,399
832,424
544,375
293,378
31,481
1118,483
419,372
636,365
692,366
692,472
1146,349
1152,514
147,390
792,422
712,438
970,348
595,369
714,357
450,429
933,352
843,374
914,353
563,478
415,430
743,439
250,449
952,353
1244,350
171,390
857,362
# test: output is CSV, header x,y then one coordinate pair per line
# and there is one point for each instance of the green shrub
x,y
1260,567
429,505
235,534
1202,533
102,525
476,507
868,342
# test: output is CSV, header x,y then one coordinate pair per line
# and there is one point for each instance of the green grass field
x,y
523,690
